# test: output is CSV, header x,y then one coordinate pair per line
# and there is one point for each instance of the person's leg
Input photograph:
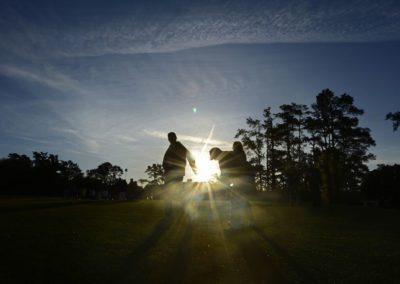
x,y
173,186
168,188
249,186
236,205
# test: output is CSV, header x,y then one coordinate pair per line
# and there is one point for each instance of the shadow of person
x,y
302,273
134,269
180,261
260,267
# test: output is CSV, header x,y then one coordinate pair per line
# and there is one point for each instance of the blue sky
x,y
96,81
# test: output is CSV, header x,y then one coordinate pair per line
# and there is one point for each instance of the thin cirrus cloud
x,y
188,138
48,76
100,28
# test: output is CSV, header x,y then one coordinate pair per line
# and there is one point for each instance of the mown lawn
x,y
56,240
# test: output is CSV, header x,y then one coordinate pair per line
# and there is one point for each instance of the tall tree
x,y
272,154
291,135
253,141
343,144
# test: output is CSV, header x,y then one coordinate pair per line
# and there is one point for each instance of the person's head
x,y
237,147
172,137
214,153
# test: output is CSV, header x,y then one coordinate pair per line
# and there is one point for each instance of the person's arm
x,y
190,158
192,161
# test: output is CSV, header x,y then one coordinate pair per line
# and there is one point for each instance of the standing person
x,y
174,164
237,175
230,165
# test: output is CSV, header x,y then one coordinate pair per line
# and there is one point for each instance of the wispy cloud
x,y
126,138
45,75
30,139
155,27
90,144
188,138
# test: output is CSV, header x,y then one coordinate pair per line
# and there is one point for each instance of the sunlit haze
x,y
206,169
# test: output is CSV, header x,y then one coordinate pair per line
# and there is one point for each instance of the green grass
x,y
55,240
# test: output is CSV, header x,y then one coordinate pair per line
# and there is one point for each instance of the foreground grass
x,y
53,240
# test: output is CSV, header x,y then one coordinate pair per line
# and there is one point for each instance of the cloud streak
x,y
156,27
188,138
47,76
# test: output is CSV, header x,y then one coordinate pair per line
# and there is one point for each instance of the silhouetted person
x,y
236,175
174,164
226,161
243,168
237,148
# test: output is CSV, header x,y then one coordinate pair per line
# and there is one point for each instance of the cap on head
x,y
214,153
172,137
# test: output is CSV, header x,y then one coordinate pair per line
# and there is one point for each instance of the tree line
x,y
47,175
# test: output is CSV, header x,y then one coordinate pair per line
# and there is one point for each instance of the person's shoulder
x,y
180,145
170,148
227,154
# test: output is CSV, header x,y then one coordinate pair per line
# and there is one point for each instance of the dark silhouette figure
x,y
174,164
236,174
244,169
227,163
174,161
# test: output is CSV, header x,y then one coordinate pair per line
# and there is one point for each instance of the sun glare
x,y
206,169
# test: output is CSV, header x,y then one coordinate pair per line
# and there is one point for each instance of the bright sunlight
x,y
206,169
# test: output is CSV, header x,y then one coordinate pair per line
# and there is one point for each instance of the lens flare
x,y
195,110
206,169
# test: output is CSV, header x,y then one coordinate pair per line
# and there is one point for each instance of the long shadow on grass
x,y
179,263
304,275
134,268
261,267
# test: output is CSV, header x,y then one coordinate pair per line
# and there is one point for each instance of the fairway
x,y
56,240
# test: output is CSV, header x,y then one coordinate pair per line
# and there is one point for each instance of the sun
x,y
206,169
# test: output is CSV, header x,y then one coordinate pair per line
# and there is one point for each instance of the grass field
x,y
55,240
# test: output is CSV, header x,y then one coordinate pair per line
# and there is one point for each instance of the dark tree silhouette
x,y
292,139
106,173
253,140
16,175
44,175
327,139
156,174
342,143
134,191
383,184
273,156
395,118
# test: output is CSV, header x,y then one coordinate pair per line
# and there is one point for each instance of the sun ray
x,y
206,168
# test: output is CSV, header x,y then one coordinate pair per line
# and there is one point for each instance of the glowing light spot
x,y
194,110
206,169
